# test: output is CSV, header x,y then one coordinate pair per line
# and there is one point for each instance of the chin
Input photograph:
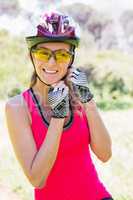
x,y
52,80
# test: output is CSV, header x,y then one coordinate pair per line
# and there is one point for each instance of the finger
x,y
61,87
74,80
71,76
58,85
73,73
65,91
75,70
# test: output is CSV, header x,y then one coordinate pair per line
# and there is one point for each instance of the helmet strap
x,y
72,49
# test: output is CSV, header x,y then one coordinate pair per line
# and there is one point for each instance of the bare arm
x,y
36,164
46,156
100,139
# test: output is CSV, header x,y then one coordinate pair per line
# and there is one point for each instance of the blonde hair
x,y
33,79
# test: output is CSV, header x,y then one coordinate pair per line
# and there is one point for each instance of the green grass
x,y
115,104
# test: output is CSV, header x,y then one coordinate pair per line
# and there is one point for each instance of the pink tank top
x,y
73,175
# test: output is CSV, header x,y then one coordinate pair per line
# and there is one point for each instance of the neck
x,y
41,90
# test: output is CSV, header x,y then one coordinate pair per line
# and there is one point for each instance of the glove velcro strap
x,y
61,110
85,95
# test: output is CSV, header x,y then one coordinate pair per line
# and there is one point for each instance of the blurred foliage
x,y
15,68
9,6
126,20
109,72
91,20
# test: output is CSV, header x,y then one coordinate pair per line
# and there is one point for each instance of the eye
x,y
62,53
44,51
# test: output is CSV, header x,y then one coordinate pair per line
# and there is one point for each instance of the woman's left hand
x,y
80,84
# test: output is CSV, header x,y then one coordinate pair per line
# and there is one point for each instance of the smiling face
x,y
50,71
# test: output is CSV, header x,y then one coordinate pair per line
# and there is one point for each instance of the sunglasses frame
x,y
53,52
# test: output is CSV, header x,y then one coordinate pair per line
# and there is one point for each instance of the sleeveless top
x,y
73,175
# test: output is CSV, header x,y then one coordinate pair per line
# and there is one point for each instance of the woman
x,y
53,123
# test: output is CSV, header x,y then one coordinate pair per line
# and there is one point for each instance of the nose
x,y
52,60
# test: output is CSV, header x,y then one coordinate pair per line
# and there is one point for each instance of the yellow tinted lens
x,y
42,54
62,56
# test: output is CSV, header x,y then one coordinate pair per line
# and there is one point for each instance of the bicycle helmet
x,y
54,27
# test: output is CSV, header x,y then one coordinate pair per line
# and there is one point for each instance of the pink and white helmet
x,y
55,27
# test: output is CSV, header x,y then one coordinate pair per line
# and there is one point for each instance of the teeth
x,y
50,71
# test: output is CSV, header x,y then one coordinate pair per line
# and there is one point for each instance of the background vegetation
x,y
105,53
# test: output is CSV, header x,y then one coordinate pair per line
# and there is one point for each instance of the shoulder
x,y
15,100
18,106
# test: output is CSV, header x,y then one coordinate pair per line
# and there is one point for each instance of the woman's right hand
x,y
58,99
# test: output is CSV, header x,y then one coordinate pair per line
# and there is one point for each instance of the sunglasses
x,y
60,55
